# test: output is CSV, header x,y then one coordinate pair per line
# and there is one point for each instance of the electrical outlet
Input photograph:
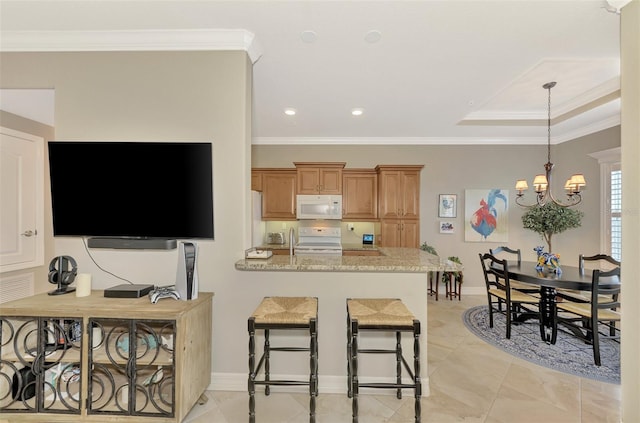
x,y
350,226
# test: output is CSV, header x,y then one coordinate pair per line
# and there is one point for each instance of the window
x,y
611,206
615,225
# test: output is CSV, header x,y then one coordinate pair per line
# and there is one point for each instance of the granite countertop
x,y
404,260
359,247
345,247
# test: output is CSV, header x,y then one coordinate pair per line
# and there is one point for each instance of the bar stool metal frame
x,y
354,327
280,323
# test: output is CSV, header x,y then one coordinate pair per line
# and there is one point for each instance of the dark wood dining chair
x,y
504,251
590,320
602,262
499,290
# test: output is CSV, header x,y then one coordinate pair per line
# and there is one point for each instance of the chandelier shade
x,y
542,182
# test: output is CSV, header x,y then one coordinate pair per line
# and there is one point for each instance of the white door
x,y
21,200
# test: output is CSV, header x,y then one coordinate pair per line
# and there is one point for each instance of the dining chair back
x,y
499,292
504,251
598,258
597,261
600,313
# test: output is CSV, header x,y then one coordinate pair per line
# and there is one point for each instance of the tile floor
x,y
470,381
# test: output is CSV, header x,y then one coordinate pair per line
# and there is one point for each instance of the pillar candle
x,y
83,285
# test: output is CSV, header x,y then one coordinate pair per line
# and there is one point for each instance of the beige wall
x,y
190,96
452,169
630,81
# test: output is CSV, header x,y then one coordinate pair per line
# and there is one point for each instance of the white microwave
x,y
319,207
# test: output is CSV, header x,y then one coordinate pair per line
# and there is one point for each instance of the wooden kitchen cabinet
x,y
278,194
400,233
359,194
97,359
256,180
319,177
399,204
399,191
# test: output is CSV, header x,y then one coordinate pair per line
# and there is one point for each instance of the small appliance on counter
x,y
254,253
276,238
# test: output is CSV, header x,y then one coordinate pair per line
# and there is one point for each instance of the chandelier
x,y
542,183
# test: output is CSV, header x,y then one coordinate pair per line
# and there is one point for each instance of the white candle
x,y
83,285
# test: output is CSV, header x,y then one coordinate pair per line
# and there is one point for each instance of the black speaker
x,y
62,271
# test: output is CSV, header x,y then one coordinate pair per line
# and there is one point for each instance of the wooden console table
x,y
96,359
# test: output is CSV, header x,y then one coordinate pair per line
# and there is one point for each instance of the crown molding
x,y
597,96
601,125
395,141
604,92
132,40
568,136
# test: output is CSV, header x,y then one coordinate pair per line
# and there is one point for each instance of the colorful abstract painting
x,y
486,213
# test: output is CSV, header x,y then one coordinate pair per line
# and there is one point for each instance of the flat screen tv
x,y
132,194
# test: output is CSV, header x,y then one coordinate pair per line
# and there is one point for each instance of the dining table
x,y
570,277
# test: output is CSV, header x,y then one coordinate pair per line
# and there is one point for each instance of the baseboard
x,y
237,382
474,290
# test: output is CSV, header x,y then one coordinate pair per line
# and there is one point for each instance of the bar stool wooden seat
x,y
382,315
283,313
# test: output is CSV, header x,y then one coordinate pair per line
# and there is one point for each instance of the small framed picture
x,y
447,227
447,205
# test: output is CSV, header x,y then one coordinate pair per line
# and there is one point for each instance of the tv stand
x,y
86,353
131,243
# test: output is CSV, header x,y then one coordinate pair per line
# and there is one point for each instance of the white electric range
x,y
319,238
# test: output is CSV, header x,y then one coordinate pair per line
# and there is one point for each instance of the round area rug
x,y
569,354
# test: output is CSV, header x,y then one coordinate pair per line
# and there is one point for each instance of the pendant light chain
x,y
549,124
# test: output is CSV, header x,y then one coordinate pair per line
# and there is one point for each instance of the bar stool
x,y
434,280
453,281
382,315
282,313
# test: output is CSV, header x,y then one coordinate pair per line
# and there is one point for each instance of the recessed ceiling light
x,y
373,36
309,36
289,111
357,112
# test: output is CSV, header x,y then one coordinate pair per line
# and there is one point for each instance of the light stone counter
x,y
402,260
397,273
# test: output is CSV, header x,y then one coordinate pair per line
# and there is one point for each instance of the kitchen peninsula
x,y
395,273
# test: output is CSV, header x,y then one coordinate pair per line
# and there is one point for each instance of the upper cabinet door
x,y
390,195
399,192
279,195
410,189
359,194
22,206
319,178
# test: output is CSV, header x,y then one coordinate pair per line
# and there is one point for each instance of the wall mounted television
x,y
134,195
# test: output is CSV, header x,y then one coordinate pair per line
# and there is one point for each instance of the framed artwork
x,y
447,205
447,227
486,214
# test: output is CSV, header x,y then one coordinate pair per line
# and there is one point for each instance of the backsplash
x,y
348,236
